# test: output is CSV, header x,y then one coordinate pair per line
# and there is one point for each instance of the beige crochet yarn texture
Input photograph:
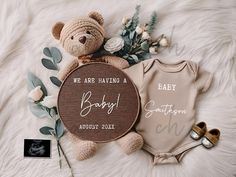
x,y
90,28
86,150
81,37
131,143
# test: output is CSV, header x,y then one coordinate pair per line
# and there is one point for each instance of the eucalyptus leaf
x,y
55,81
124,32
46,130
47,52
135,58
125,56
145,46
146,55
59,127
34,81
49,64
129,23
37,110
128,42
56,55
53,112
131,61
131,35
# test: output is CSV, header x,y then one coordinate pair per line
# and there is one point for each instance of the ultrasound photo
x,y
37,148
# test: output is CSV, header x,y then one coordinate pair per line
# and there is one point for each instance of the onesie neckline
x,y
171,67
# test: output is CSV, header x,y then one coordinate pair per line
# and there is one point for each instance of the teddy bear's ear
x,y
56,30
97,16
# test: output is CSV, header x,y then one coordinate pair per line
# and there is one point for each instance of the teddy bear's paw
x,y
85,149
67,69
131,142
116,61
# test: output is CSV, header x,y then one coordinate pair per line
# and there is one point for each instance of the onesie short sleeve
x,y
136,73
203,81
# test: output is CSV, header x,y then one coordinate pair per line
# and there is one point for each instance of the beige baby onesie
x,y
168,93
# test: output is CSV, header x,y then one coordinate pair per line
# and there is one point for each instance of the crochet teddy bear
x,y
82,37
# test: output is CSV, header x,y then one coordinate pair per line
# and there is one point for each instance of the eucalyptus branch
x,y
58,149
42,105
135,40
59,153
68,163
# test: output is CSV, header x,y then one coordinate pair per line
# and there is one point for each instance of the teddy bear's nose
x,y
82,39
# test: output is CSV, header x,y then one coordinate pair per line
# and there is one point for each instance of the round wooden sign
x,y
98,102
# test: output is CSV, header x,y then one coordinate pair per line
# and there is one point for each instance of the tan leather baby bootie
x,y
198,130
83,149
211,138
131,142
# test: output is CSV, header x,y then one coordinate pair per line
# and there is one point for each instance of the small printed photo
x,y
37,148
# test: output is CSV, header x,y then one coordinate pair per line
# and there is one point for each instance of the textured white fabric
x,y
201,31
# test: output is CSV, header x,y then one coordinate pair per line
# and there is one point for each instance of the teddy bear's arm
x,y
116,61
65,71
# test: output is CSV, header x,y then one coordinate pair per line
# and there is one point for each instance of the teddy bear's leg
x,y
65,71
116,61
131,142
83,149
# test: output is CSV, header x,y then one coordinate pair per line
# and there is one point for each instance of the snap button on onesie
x,y
168,93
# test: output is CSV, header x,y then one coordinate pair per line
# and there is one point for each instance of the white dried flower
x,y
36,94
114,44
153,50
145,35
138,30
163,42
49,101
124,20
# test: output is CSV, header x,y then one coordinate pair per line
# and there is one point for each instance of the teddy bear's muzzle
x,y
82,39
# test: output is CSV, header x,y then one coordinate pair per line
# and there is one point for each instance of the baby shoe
x,y
211,138
198,130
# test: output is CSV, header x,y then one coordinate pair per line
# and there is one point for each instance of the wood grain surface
x,y
98,102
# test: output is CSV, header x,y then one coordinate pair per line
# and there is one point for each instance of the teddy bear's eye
x,y
72,37
88,32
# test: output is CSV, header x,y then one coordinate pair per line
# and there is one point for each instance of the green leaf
x,y
145,56
59,127
53,111
124,32
55,81
128,24
135,58
49,64
46,130
145,46
37,110
56,55
34,81
127,41
152,23
125,56
47,52
131,35
135,18
131,61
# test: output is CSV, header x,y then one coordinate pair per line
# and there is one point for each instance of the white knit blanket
x,y
201,31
